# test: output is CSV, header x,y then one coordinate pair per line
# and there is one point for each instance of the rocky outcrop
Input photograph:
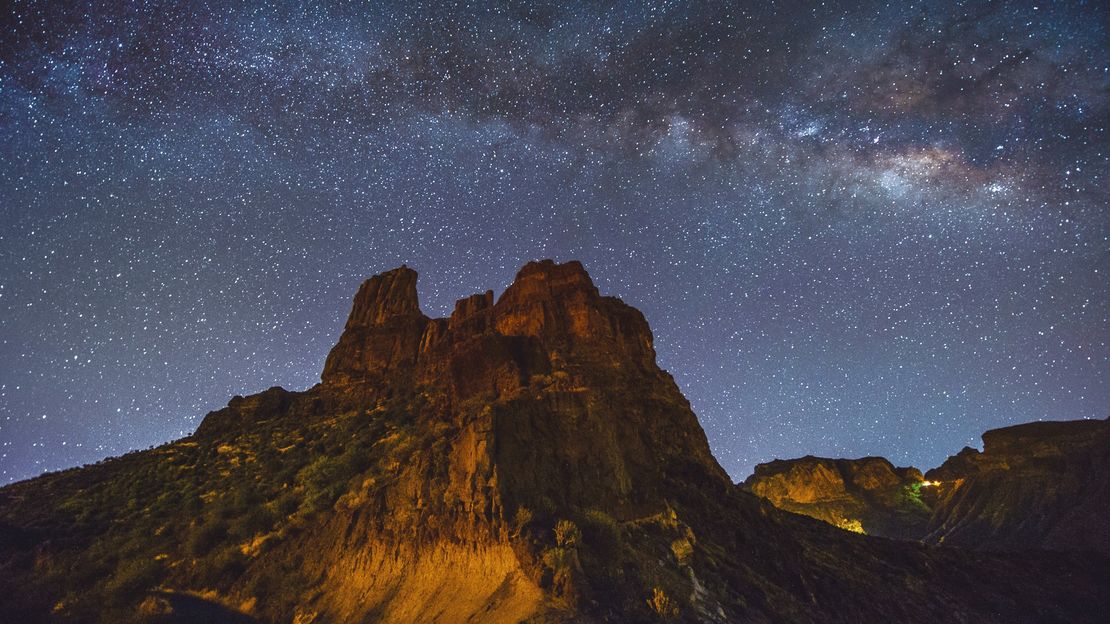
x,y
868,495
551,319
383,332
1037,485
524,459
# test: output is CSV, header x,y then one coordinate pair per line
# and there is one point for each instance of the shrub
x,y
601,530
326,478
683,550
852,525
204,538
561,562
545,507
567,534
558,559
522,519
322,479
228,565
286,504
132,579
256,519
662,605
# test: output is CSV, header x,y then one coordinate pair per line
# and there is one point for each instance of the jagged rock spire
x,y
556,306
383,330
383,297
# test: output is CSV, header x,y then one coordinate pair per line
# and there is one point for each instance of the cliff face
x,y
867,495
1037,485
522,460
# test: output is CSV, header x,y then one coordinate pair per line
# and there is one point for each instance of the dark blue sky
x,y
862,229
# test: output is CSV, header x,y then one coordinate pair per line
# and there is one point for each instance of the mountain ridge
x,y
1034,485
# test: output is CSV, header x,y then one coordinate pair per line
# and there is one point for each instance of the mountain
x,y
524,459
1041,484
868,495
1036,485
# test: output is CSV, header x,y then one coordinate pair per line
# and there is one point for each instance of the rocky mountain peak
x,y
385,297
1044,484
382,332
1034,485
546,278
549,311
470,310
560,305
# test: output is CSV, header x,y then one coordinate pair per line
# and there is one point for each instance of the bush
x,y
567,534
257,519
204,538
561,562
326,478
132,579
286,504
601,531
545,507
662,605
522,519
228,565
683,550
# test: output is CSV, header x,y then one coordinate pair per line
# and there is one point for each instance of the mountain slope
x,y
522,460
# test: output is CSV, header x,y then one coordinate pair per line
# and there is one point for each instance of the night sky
x,y
877,228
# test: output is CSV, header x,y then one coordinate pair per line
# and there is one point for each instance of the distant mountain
x,y
522,460
866,495
1037,485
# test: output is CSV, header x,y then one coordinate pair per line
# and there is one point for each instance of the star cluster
x,y
856,228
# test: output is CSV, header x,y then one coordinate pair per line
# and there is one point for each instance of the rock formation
x,y
867,495
1037,485
522,460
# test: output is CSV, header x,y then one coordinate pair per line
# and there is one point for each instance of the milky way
x,y
867,229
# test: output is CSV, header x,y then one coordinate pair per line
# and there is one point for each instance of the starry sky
x,y
855,228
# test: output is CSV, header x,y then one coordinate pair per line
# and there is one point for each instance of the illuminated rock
x,y
868,495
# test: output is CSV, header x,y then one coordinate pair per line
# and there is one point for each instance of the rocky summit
x,y
524,460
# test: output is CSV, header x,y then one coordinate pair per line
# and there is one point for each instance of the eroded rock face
x,y
1037,485
1042,484
868,495
383,331
550,319
523,460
